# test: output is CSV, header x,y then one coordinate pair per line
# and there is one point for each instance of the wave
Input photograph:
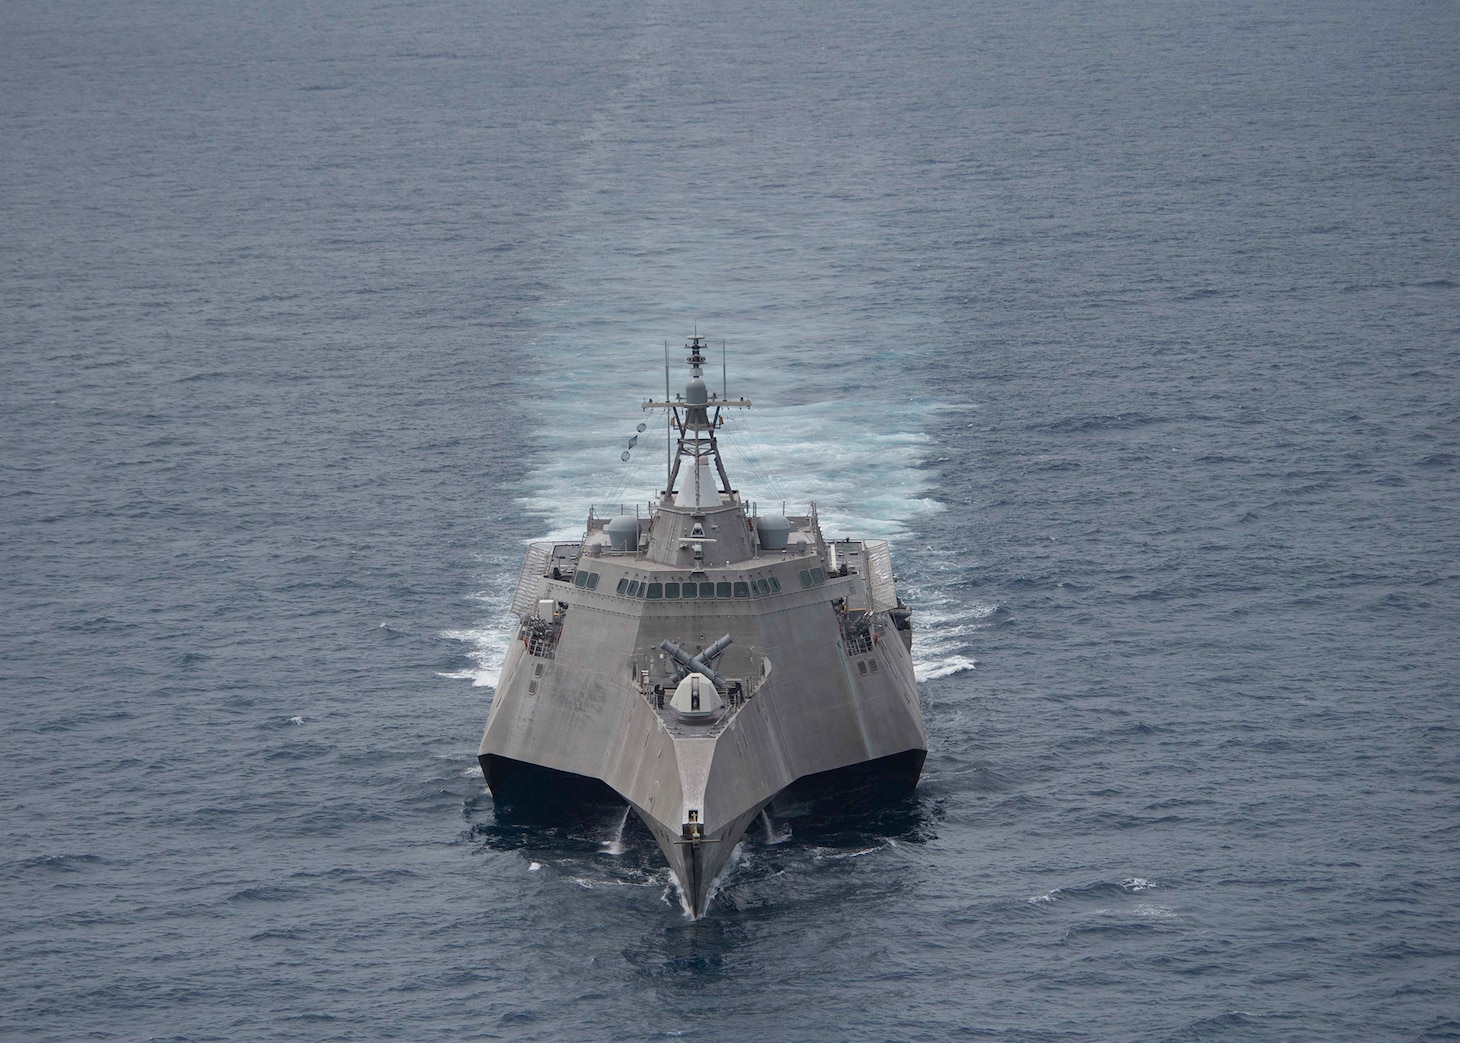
x,y
486,648
925,671
1099,889
944,631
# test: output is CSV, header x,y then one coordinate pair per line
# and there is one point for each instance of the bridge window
x,y
623,585
707,590
805,578
671,591
633,590
742,589
817,576
691,591
722,590
580,580
592,581
775,585
655,591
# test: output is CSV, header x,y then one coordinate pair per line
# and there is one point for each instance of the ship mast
x,y
695,414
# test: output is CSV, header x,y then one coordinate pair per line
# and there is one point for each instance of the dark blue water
x,y
1134,326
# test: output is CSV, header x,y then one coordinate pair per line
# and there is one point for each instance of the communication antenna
x,y
668,429
724,371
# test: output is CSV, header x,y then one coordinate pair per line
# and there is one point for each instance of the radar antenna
x,y
695,414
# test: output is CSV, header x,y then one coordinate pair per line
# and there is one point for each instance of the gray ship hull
x,y
798,647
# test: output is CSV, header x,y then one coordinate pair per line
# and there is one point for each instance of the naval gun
x,y
701,663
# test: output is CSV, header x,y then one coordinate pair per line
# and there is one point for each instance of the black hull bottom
x,y
530,790
858,786
851,806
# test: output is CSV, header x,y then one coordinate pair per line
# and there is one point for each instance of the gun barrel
x,y
709,654
698,663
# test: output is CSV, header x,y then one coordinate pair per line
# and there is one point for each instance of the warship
x,y
698,658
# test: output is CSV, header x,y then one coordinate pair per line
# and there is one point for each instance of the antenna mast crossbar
x,y
696,415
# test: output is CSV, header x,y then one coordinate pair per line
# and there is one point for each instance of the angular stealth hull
x,y
699,661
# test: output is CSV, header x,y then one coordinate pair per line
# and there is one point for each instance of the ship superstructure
x,y
699,657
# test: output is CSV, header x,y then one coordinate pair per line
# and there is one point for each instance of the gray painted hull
x,y
818,675
821,706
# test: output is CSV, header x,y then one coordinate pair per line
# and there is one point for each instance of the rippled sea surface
x,y
1136,327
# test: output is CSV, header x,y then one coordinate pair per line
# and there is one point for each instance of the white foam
x,y
934,640
944,631
937,609
956,664
737,856
487,650
674,893
772,835
857,458
615,844
826,854
734,861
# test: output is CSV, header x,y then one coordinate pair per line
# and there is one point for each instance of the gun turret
x,y
701,663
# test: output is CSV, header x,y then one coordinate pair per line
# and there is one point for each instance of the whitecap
x,y
956,664
487,650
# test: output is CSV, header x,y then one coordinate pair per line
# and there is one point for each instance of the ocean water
x,y
1135,327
